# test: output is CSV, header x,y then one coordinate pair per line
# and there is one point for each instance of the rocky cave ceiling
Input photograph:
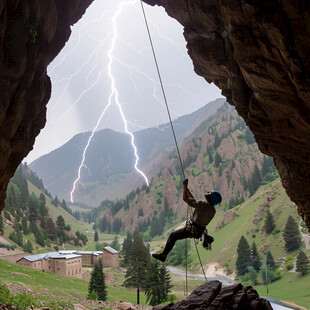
x,y
256,52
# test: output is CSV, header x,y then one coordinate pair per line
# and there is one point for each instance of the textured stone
x,y
210,296
256,52
32,33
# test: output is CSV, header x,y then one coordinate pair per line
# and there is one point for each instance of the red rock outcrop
x,y
32,33
210,296
257,53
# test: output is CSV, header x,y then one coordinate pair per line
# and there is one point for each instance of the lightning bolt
x,y
113,94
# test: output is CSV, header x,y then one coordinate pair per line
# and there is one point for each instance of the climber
x,y
195,227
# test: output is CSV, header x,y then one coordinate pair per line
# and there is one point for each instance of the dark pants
x,y
178,234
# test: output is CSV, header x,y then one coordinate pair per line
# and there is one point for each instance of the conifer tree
x,y
217,160
138,265
127,247
42,198
244,256
60,223
217,141
96,237
269,222
256,263
29,246
302,263
25,226
270,260
19,238
291,235
158,284
97,282
50,228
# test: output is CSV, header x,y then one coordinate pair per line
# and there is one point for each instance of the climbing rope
x,y
175,139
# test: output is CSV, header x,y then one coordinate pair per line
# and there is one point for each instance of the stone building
x,y
110,257
69,263
62,264
88,257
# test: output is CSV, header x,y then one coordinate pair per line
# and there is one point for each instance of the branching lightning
x,y
113,95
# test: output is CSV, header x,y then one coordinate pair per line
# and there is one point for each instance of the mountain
x,y
108,171
220,154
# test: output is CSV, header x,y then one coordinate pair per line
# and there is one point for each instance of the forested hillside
x,y
28,221
220,154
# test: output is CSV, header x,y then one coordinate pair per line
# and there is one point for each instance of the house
x,y
62,264
69,263
88,257
110,257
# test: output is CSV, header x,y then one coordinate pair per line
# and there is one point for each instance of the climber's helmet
x,y
214,197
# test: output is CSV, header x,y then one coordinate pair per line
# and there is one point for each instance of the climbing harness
x,y
189,211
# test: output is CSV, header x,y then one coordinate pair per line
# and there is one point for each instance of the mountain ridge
x,y
105,176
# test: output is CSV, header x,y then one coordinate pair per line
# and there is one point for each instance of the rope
x,y
162,87
175,139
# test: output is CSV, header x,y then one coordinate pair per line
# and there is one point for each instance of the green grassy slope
x,y
224,248
54,212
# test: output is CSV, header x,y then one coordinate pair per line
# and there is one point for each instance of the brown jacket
x,y
204,211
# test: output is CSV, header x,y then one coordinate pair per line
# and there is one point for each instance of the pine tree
x,y
244,256
210,155
29,246
60,223
96,237
270,260
127,247
269,222
256,263
33,205
19,238
25,226
138,265
291,235
302,263
217,160
97,282
217,141
51,229
158,284
42,198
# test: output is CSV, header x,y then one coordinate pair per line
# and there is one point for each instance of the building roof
x,y
37,257
111,250
96,253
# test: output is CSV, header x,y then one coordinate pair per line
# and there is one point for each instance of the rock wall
x,y
32,33
257,53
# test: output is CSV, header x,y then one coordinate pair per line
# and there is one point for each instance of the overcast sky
x,y
81,85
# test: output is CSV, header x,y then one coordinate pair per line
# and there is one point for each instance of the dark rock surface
x,y
210,296
32,33
257,52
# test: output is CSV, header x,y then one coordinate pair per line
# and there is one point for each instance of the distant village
x,y
70,263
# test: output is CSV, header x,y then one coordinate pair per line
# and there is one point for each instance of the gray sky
x,y
81,84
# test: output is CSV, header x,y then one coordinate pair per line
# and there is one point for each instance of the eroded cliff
x,y
257,53
32,33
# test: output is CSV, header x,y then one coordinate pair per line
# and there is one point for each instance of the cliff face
x,y
32,33
257,52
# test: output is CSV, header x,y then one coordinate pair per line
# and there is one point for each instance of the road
x,y
225,280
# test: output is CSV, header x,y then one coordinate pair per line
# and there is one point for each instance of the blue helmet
x,y
215,198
